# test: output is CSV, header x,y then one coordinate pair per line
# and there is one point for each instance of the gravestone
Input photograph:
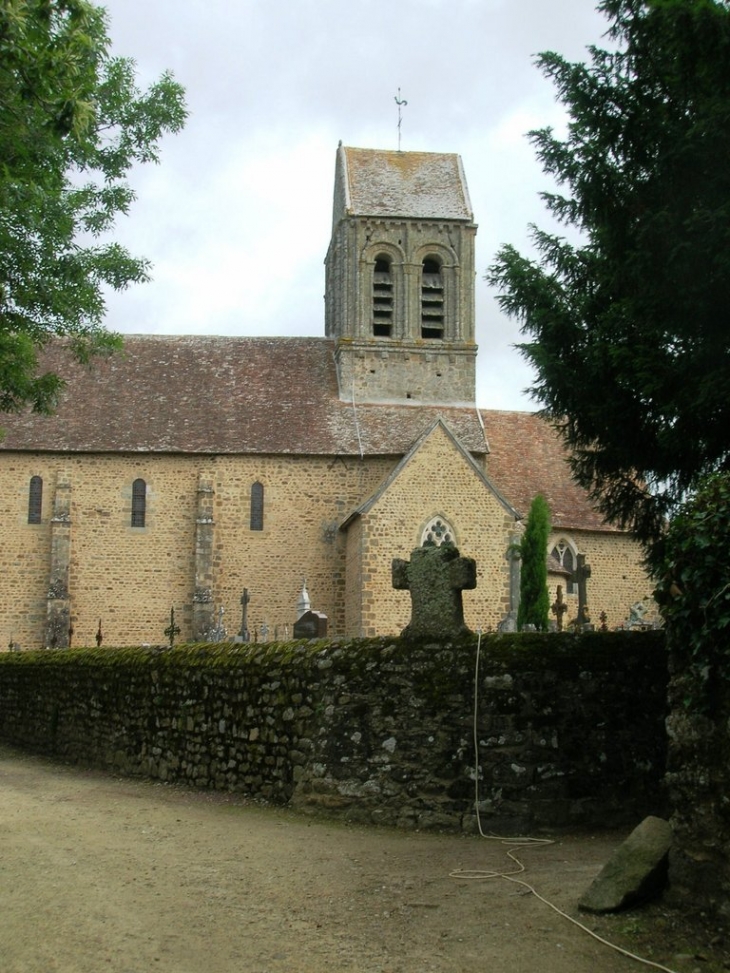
x,y
580,576
311,625
559,608
435,577
243,632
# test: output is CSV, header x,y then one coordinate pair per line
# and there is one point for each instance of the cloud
x,y
236,219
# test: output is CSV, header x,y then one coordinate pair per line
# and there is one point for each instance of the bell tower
x,y
399,298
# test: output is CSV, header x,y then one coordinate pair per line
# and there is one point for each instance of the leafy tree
x,y
534,599
628,327
72,125
694,592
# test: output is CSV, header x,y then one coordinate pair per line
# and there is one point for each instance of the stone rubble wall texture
x,y
570,728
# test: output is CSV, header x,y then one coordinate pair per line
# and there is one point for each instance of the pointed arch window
x,y
35,500
139,503
563,553
257,506
432,299
383,297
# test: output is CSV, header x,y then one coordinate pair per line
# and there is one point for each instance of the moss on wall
x,y
570,727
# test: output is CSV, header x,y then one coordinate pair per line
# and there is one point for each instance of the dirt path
x,y
103,874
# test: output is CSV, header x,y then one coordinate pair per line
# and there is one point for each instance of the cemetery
x,y
440,728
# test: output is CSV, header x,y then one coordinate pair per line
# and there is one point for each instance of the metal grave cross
x,y
245,598
172,629
581,575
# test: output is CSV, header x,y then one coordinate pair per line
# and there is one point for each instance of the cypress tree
x,y
534,599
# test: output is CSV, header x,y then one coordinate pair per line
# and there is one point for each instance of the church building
x,y
185,470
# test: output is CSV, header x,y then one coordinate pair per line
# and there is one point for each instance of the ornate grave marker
x,y
559,608
581,575
435,577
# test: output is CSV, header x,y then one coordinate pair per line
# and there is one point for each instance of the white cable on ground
x,y
515,844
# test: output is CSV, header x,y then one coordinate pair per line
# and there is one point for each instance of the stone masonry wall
x,y
129,577
618,578
570,728
396,521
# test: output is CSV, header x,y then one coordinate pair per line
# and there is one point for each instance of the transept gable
x,y
435,449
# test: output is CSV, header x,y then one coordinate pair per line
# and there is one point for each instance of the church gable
x,y
438,431
436,489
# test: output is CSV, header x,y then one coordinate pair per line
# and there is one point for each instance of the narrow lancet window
x,y
432,299
35,500
139,503
382,298
257,506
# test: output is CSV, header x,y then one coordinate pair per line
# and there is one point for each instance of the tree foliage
x,y
72,125
628,329
693,592
534,606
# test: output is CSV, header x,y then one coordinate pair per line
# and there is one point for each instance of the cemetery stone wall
x,y
570,727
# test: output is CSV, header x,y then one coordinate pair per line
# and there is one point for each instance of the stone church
x,y
185,470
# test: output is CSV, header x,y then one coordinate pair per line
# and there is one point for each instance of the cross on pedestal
x,y
435,577
580,576
245,598
559,608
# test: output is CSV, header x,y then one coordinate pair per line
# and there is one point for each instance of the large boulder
x,y
637,870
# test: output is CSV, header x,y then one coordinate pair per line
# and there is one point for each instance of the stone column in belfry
x,y
203,608
58,615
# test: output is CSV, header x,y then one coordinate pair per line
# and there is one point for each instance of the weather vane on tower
x,y
400,102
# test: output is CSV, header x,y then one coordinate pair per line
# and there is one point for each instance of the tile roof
x,y
233,395
526,458
197,394
416,185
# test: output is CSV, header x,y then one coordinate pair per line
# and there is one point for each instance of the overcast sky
x,y
236,218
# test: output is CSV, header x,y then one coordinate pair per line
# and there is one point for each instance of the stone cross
x,y
435,577
581,575
559,608
245,598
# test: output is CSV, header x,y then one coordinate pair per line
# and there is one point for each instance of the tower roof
x,y
415,185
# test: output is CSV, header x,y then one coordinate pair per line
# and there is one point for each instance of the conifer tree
x,y
627,316
534,599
